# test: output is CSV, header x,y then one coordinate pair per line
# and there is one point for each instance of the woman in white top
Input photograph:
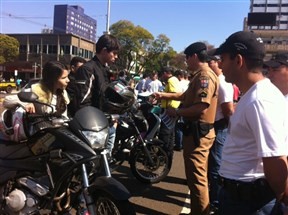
x,y
51,89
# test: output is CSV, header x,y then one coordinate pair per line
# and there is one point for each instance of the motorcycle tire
x,y
106,204
146,172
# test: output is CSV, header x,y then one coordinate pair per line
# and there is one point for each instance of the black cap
x,y
195,48
180,72
215,58
278,60
245,43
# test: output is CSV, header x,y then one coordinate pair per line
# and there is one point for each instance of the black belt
x,y
221,123
239,190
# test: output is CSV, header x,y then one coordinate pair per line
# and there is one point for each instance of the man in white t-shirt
x,y
278,72
154,85
254,159
225,109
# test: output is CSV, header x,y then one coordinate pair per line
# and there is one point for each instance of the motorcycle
x,y
55,171
136,142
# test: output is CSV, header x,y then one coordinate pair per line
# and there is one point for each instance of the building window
x,y
74,50
90,54
52,49
33,49
23,49
45,49
65,49
81,52
273,5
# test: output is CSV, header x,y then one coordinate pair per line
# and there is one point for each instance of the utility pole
x,y
41,58
35,69
108,18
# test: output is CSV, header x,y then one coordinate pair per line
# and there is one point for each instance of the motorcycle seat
x,y
13,150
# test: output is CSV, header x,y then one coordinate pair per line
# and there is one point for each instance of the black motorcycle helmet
x,y
117,98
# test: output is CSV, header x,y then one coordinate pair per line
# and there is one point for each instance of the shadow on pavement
x,y
152,198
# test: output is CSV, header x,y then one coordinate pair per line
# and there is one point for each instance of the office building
x,y
72,19
269,20
37,49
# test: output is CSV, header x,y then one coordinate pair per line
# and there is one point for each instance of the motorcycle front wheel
x,y
107,205
145,170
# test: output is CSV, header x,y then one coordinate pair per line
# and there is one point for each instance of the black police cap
x,y
195,48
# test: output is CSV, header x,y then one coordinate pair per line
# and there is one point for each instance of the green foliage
x,y
9,48
160,54
140,51
179,61
133,40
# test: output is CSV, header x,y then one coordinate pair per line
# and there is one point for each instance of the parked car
x,y
7,86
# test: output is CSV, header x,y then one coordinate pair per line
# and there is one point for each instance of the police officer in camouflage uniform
x,y
198,111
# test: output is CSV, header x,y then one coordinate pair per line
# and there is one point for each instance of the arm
x,y
225,98
227,109
275,169
194,111
270,136
171,96
83,93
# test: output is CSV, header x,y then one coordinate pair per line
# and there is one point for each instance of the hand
x,y
30,108
157,95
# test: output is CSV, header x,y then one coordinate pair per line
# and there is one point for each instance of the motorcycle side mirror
x,y
27,97
31,97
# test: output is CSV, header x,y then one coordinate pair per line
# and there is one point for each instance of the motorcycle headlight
x,y
96,139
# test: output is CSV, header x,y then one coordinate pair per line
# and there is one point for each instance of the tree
x,y
9,48
179,61
159,54
141,52
134,41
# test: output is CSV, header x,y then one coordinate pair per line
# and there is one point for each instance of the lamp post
x,y
135,61
108,18
35,69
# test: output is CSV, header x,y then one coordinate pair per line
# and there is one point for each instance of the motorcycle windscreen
x,y
91,119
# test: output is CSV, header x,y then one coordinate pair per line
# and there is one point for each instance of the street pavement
x,y
169,196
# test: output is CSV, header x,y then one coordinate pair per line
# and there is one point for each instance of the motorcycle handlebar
x,y
36,116
32,116
112,117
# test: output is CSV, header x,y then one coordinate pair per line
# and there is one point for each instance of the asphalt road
x,y
166,197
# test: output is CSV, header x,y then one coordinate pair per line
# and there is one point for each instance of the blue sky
x,y
183,21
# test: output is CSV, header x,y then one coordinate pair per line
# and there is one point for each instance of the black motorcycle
x,y
55,171
136,142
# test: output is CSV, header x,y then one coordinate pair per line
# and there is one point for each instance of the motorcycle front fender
x,y
110,186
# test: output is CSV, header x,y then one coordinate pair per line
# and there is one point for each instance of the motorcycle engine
x,y
20,201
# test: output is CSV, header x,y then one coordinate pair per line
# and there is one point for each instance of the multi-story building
x,y
37,49
73,34
72,19
269,20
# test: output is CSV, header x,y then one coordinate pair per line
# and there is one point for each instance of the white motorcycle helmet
x,y
12,126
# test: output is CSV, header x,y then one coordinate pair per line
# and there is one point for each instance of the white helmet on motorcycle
x,y
117,98
12,125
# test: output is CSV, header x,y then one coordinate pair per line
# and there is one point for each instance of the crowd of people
x,y
235,150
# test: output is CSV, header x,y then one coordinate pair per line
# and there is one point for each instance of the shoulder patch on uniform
x,y
204,82
203,94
